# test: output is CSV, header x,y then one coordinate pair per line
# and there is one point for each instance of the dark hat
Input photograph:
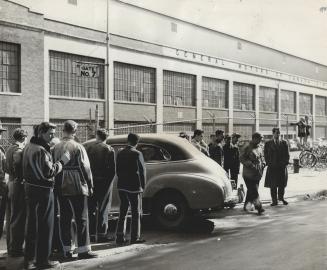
x,y
70,126
2,128
236,135
19,134
219,131
256,135
227,136
197,132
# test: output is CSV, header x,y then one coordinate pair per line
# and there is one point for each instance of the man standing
x,y
131,182
16,205
253,165
38,172
198,142
102,160
277,158
232,157
74,185
3,185
216,147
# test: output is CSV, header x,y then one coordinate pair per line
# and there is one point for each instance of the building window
x,y
245,131
209,129
287,99
214,93
65,79
134,83
72,2
243,96
187,127
305,104
321,106
85,129
267,99
321,132
9,67
7,137
179,88
125,127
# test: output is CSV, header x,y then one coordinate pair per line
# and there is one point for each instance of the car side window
x,y
118,147
153,153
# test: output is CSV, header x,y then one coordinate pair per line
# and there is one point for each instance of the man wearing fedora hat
x,y
16,206
3,186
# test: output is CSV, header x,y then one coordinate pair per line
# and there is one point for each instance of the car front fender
x,y
199,191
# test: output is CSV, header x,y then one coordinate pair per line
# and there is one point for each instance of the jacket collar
x,y
40,142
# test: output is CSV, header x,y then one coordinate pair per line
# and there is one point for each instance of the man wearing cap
x,y
3,185
198,142
232,157
277,158
39,171
253,165
74,184
102,160
16,205
216,147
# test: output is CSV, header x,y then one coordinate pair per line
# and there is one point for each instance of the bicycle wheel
x,y
308,159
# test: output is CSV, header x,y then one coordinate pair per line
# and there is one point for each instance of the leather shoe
x,y
137,241
260,211
274,203
121,242
28,264
87,255
285,202
46,265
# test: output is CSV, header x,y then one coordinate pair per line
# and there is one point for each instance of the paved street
x,y
290,237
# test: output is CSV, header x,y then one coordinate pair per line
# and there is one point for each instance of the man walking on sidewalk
x,y
131,182
277,158
102,160
16,205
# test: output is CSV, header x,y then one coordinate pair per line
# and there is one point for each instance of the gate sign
x,y
88,70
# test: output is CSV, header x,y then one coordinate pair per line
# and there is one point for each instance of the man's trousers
x,y
39,223
74,207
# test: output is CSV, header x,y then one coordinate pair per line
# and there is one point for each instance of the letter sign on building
x,y
87,70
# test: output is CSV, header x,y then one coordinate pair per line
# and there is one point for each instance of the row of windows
x,y
134,83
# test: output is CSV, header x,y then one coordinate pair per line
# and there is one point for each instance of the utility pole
x,y
106,93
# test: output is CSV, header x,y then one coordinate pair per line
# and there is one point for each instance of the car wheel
x,y
171,210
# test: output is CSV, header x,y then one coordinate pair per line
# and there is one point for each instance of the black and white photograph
x,y
163,134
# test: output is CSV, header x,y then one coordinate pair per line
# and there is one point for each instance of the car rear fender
x,y
199,191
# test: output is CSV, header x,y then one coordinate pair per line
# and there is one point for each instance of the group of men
x,y
58,194
254,158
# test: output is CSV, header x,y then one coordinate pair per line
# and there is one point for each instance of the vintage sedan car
x,y
180,180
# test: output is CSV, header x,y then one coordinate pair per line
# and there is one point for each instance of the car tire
x,y
171,210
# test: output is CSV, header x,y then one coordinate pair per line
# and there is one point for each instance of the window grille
x,y
245,131
321,106
127,127
179,88
268,99
321,132
7,137
305,104
179,127
214,93
64,79
9,67
85,129
287,99
134,83
243,96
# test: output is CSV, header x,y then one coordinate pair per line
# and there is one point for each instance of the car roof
x,y
178,148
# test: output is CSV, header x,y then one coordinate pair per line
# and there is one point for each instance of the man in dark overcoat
x,y
102,160
277,157
232,157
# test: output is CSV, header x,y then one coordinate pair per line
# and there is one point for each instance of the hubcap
x,y
170,210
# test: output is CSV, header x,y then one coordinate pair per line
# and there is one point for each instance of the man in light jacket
x,y
131,182
39,171
73,185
